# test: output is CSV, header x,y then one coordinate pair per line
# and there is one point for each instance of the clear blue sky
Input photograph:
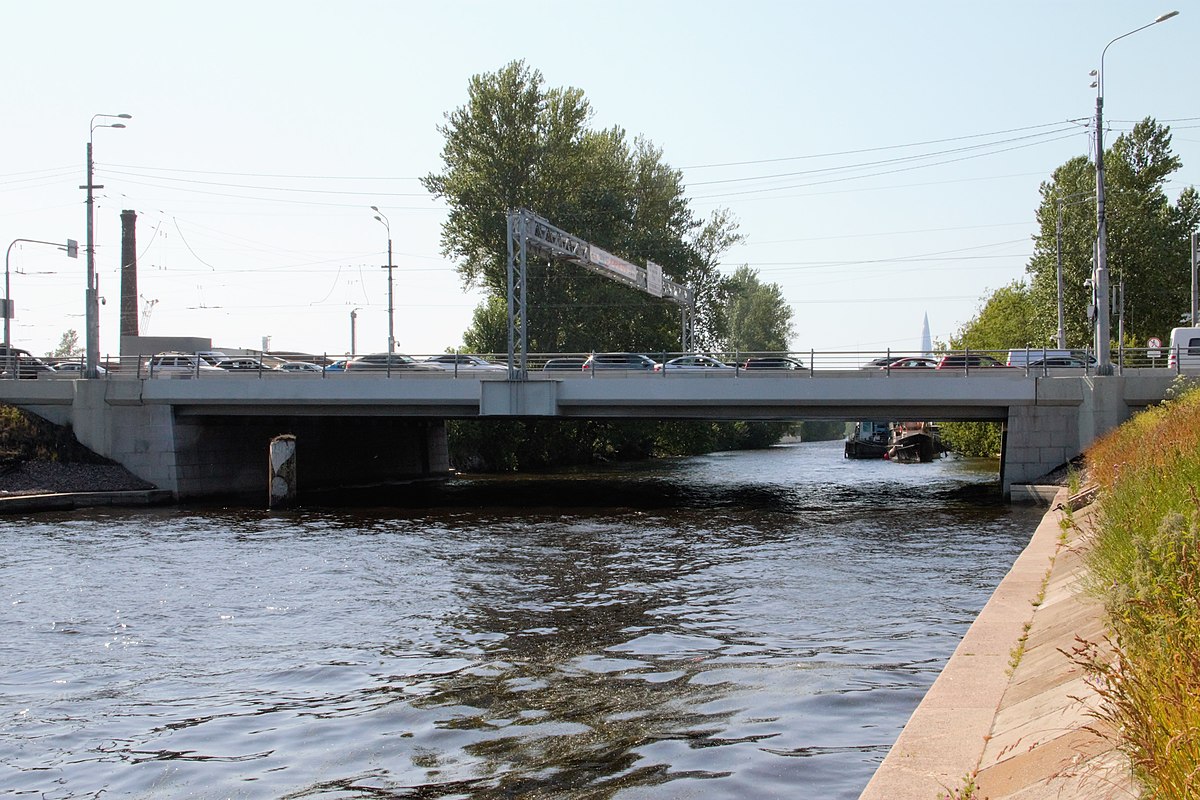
x,y
262,131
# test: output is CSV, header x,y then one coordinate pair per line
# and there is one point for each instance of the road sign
x,y
1154,342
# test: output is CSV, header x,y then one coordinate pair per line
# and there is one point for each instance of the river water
x,y
753,624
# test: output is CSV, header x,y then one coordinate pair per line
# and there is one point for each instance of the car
x,y
693,363
211,357
561,364
917,362
179,365
242,364
969,361
882,361
299,366
624,361
76,368
463,362
337,365
25,363
773,362
388,362
1059,362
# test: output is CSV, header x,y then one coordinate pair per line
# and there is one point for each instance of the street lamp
x,y
92,295
1103,359
72,249
382,218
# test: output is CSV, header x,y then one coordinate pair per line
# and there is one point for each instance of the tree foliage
x,y
516,144
758,318
1148,239
1004,322
68,345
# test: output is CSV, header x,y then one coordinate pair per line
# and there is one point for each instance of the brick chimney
x,y
129,290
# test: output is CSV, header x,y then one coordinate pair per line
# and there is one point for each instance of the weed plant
x,y
1145,561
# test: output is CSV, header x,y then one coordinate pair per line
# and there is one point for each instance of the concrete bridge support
x,y
1067,418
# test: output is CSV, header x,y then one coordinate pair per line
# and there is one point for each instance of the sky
x,y
882,159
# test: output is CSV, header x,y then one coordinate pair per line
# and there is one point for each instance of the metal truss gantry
x,y
527,230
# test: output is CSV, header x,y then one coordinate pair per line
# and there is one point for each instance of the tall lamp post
x,y
1103,357
382,218
92,296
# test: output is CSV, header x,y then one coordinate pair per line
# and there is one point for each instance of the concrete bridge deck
x,y
157,427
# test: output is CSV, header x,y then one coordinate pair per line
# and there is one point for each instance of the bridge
x,y
208,435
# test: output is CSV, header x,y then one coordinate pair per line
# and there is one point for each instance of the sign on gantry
x,y
526,229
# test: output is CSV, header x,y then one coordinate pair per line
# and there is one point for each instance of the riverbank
x,y
1009,716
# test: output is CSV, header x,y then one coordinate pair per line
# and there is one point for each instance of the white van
x,y
1185,349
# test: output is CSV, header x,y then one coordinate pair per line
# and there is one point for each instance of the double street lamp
x,y
92,296
1103,357
383,220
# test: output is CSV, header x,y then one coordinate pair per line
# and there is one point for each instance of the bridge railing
x,y
1034,362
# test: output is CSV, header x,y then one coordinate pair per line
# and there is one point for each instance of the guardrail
x,y
1034,362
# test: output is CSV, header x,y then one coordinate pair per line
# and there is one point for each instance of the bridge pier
x,y
1066,419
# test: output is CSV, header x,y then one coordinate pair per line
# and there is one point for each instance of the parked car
x,y
179,365
462,362
211,357
882,361
1059,362
560,364
242,364
773,362
21,363
625,361
693,363
969,361
918,362
76,368
299,366
383,362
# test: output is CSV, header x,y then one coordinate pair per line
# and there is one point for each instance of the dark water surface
x,y
740,625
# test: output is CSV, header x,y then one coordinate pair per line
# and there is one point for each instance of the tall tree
x,y
758,318
516,144
1147,238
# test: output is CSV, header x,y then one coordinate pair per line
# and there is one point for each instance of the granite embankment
x,y
1009,718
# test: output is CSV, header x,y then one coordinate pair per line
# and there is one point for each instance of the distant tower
x,y
926,341
129,292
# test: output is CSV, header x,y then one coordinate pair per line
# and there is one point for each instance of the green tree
x,y
1005,321
758,318
516,144
1148,238
68,345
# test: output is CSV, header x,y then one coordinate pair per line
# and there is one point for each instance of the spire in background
x,y
926,341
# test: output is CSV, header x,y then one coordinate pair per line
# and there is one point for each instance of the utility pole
x,y
383,220
1103,355
1195,282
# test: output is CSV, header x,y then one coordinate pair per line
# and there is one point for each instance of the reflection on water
x,y
745,624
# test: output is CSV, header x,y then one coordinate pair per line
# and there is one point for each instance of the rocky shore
x,y
36,477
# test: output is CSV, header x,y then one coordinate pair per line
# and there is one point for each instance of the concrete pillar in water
x,y
283,472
